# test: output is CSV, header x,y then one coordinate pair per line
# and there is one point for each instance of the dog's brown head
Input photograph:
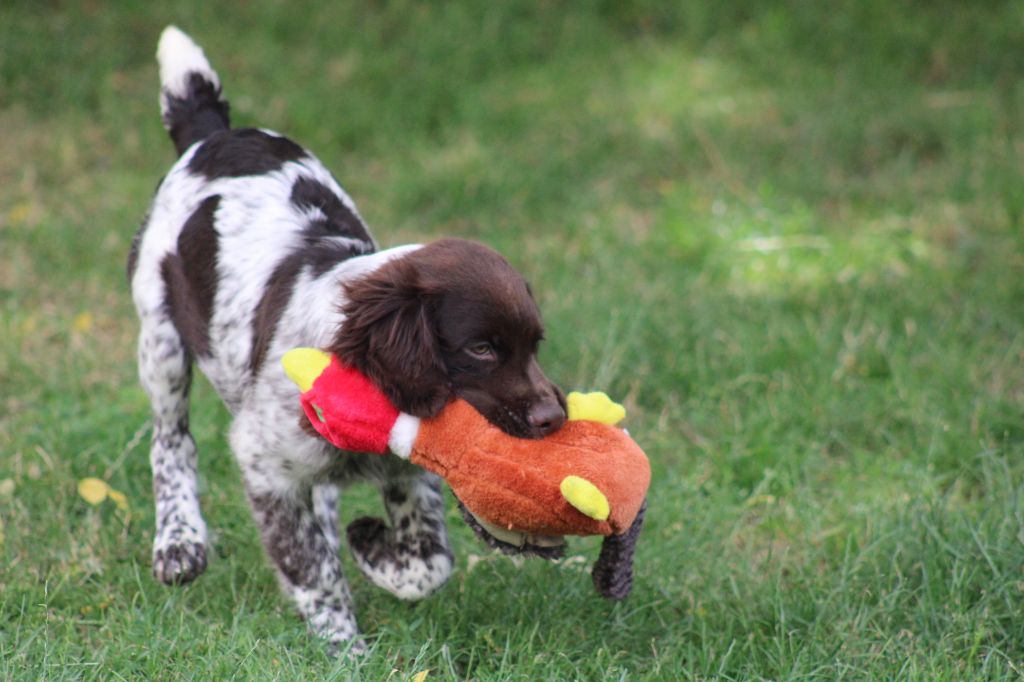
x,y
452,318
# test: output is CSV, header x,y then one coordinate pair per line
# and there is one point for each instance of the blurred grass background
x,y
788,234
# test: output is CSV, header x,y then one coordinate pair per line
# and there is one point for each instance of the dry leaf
x,y
20,213
83,322
7,487
118,498
420,676
93,490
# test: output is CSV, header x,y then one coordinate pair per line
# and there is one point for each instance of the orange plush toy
x,y
588,478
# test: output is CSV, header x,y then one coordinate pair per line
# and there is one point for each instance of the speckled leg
x,y
410,558
179,547
307,561
325,507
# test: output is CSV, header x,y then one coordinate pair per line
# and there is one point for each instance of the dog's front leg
x,y
165,369
325,507
411,557
307,563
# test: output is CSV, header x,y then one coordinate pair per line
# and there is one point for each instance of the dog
x,y
251,248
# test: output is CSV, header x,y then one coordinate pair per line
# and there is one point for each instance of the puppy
x,y
251,248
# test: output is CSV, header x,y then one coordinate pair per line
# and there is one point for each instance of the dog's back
x,y
237,223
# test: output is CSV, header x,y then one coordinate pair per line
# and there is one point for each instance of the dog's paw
x,y
368,538
409,568
350,649
179,564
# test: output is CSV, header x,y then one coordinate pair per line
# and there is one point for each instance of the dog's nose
x,y
546,417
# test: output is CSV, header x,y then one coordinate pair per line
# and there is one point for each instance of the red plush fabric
x,y
357,416
514,483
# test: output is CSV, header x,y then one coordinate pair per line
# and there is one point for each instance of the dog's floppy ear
x,y
389,335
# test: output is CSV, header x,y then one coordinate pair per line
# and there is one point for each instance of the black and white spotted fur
x,y
240,259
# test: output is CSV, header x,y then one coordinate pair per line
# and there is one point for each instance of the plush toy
x,y
588,478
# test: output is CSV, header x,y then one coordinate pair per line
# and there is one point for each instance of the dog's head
x,y
452,318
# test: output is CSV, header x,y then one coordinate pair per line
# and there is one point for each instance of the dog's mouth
x,y
512,541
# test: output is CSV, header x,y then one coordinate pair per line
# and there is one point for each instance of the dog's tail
x,y
191,103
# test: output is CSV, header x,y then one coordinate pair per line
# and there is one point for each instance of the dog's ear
x,y
389,335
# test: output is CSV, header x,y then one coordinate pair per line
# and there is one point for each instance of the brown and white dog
x,y
252,248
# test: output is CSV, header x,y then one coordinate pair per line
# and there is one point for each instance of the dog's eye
x,y
481,351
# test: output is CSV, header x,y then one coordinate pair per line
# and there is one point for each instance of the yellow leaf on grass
x,y
83,322
420,676
93,490
118,498
19,213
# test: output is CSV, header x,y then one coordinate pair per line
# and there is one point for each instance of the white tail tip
x,y
178,56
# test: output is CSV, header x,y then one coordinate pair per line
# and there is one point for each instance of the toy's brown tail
x,y
613,570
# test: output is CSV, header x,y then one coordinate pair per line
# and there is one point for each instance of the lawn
x,y
788,235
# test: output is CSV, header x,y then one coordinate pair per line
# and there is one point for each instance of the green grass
x,y
790,237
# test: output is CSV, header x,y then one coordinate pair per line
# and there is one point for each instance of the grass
x,y
789,236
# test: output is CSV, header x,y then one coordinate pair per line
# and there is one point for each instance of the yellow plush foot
x,y
594,407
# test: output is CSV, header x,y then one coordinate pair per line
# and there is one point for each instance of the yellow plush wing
x,y
585,497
